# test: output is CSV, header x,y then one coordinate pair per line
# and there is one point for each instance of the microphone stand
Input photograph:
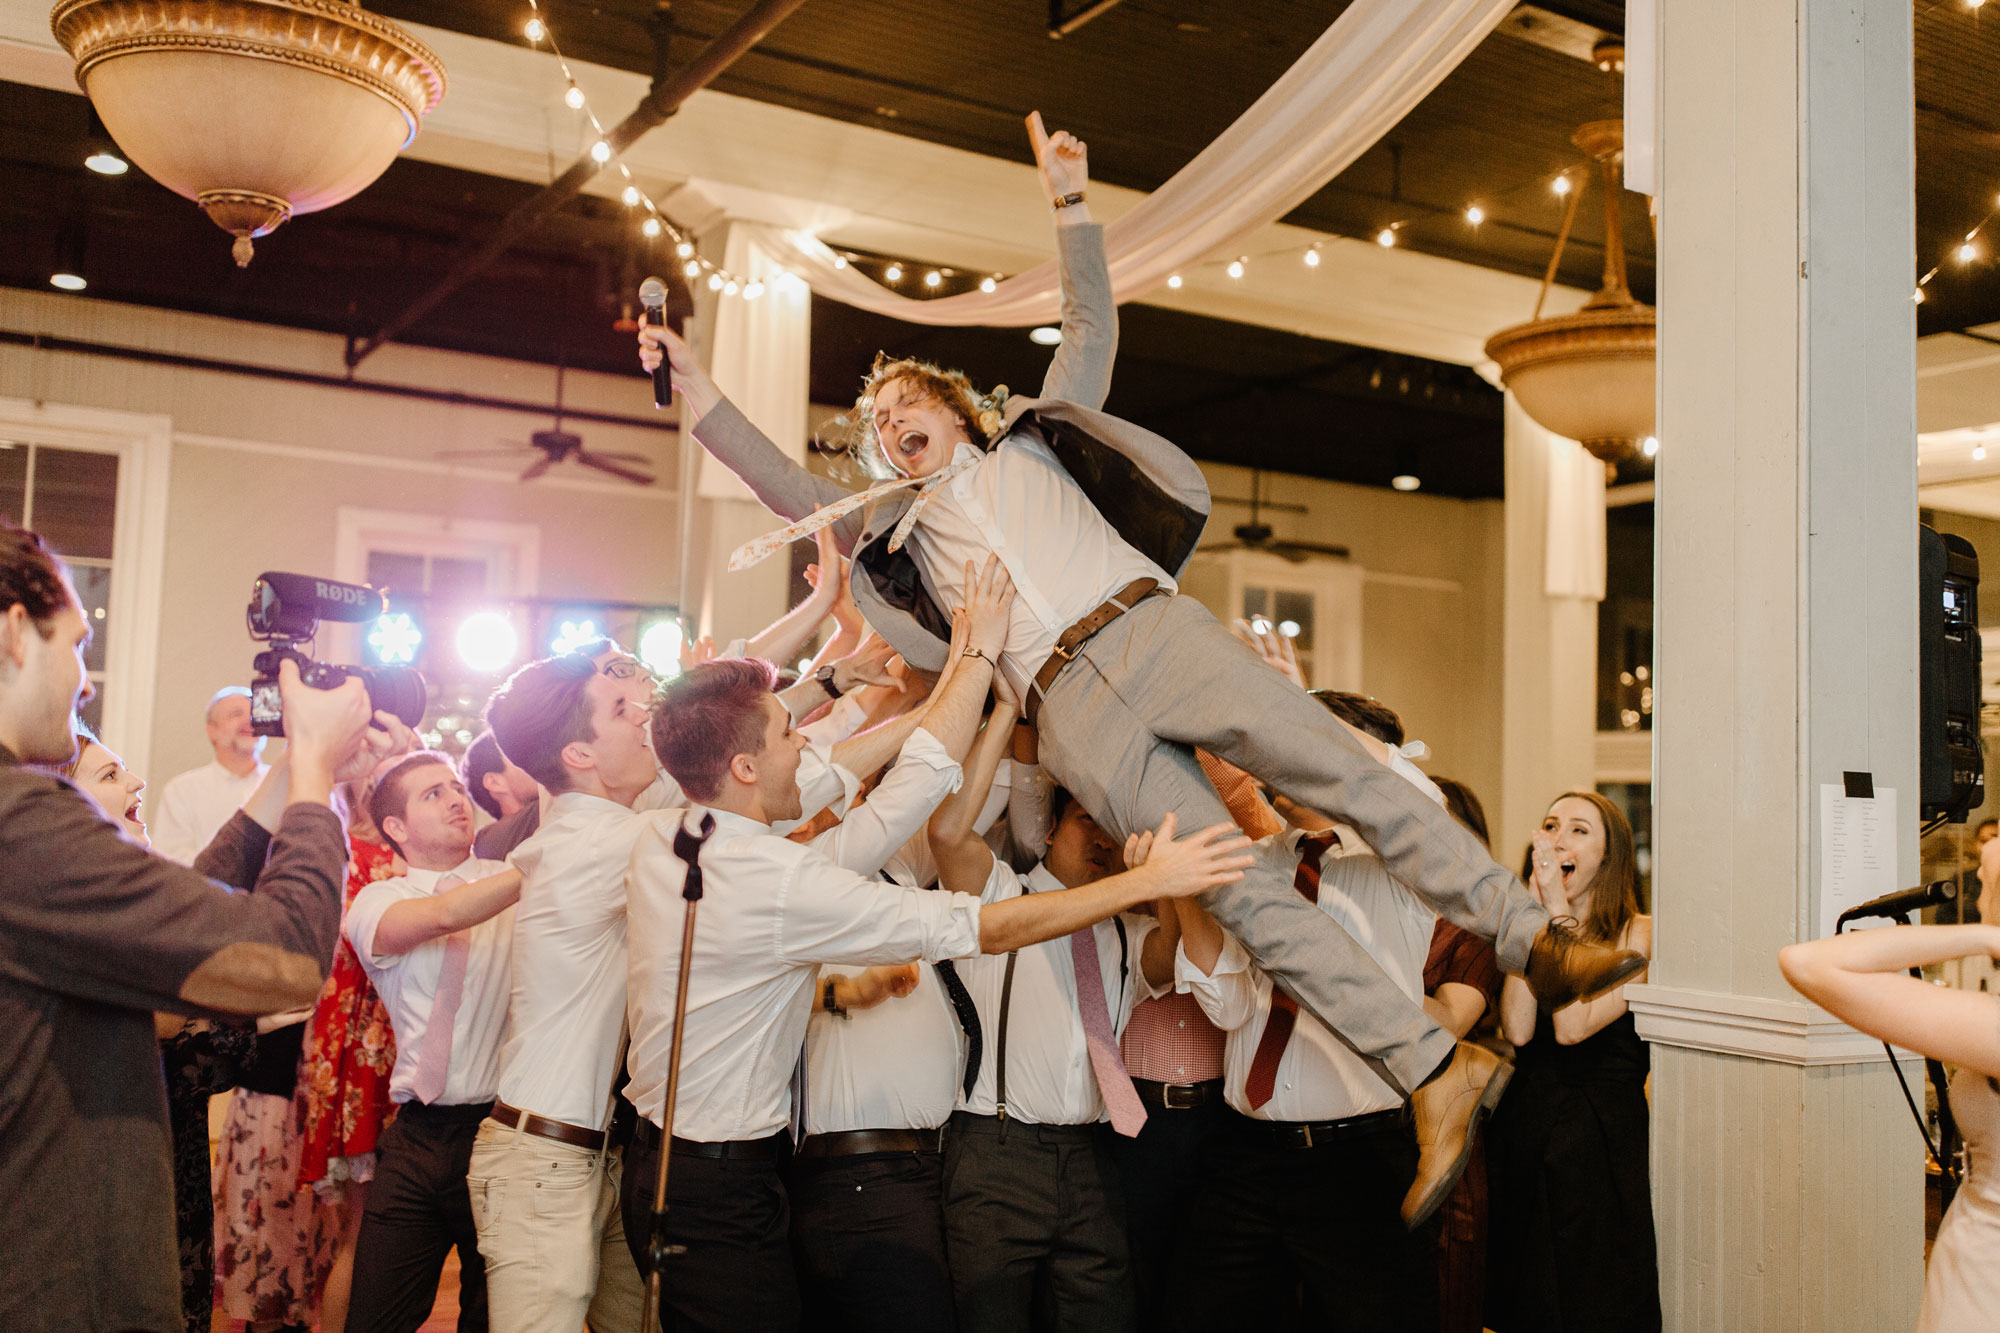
x,y
687,847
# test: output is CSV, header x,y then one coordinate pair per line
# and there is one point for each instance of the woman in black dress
x,y
1572,1209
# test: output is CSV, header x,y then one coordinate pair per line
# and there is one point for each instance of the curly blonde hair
x,y
926,383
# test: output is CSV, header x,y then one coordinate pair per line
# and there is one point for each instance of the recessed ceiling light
x,y
1405,482
1048,335
1174,281
107,163
68,282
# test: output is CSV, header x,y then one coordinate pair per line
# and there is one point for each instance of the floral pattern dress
x,y
349,1052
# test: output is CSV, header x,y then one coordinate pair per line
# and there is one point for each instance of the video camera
x,y
285,611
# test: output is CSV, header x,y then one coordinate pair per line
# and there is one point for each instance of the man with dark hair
x,y
1364,713
96,934
436,943
773,911
499,787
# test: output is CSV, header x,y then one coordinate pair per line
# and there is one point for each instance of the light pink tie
x,y
1128,1113
434,1056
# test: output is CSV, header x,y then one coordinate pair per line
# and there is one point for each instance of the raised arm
x,y
1081,371
1859,979
783,485
415,921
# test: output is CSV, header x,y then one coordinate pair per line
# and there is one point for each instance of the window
x,y
1625,621
70,496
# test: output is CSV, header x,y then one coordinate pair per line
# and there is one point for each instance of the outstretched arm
x,y
1858,978
1081,371
415,921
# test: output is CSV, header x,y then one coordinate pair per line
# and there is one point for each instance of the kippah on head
x,y
226,692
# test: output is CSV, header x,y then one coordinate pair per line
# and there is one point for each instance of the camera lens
x,y
399,690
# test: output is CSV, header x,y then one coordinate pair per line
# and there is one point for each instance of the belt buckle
x,y
1067,654
1179,1097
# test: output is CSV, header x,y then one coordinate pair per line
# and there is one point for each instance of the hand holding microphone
x,y
668,358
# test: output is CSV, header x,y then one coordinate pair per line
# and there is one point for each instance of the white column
x,y
758,351
1554,580
1787,1174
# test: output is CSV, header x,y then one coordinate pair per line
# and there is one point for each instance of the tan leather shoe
x,y
1564,967
1448,1112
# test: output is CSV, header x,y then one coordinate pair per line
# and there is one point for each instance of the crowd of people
x,y
1041,956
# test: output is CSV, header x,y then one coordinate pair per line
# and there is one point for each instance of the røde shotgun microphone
x,y
1901,903
653,296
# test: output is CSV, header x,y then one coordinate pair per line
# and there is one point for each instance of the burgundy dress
x,y
1465,958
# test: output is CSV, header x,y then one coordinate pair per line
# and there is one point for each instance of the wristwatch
x,y
828,1003
825,678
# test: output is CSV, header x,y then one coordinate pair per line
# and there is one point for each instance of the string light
x,y
1475,215
840,261
600,152
1174,281
1561,184
1235,268
631,196
1650,446
574,98
893,273
1918,296
1386,238
1968,252
1979,453
752,290
715,282
685,250
1312,256
933,279
651,228
692,269
535,29
988,285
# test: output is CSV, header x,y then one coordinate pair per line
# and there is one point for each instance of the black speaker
x,y
1951,764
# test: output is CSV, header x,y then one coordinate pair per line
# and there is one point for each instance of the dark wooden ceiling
x,y
1493,133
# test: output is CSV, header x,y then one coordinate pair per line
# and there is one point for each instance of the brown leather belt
x,y
854,1142
1078,634
542,1127
1178,1096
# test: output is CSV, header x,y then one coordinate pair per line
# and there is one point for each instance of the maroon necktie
x,y
1263,1080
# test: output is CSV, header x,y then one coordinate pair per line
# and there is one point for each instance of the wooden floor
x,y
444,1315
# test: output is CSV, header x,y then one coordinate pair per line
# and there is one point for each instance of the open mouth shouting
x,y
1568,868
909,447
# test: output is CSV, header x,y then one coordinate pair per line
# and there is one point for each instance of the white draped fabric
x,y
1377,61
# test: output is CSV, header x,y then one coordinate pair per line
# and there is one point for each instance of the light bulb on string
x,y
753,290
1235,269
573,98
651,227
1475,214
1312,256
1560,185
692,269
1918,296
933,279
1386,238
685,250
534,29
1979,453
1650,446
631,196
987,285
715,282
893,273
1174,281
729,288
840,261
600,152
1967,253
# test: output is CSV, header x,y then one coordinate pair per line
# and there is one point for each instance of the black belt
x,y
1178,1096
855,1142
647,1135
967,1122
1296,1134
543,1127
444,1113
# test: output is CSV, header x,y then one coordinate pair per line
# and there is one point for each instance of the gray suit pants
x,y
1119,727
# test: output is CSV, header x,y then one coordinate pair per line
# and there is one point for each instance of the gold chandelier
x,y
255,109
1588,376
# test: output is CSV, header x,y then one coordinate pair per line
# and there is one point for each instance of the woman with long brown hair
x,y
1572,1209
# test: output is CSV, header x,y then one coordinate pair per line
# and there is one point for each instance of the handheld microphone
x,y
1902,902
653,296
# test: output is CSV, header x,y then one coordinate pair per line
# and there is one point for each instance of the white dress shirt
x,y
1065,558
566,1015
1319,1077
1049,1076
771,912
194,806
408,984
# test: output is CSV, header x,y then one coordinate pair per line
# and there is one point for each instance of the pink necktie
x,y
762,548
434,1055
1128,1113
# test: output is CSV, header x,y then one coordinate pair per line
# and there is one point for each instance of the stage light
x,y
395,639
69,282
987,284
573,98
1174,281
685,250
600,151
1650,446
107,163
1475,215
693,269
651,228
631,196
933,279
487,641
1405,482
572,635
893,273
715,282
535,30
1289,628
1560,185
752,291
1048,335
1386,238
1312,256
1235,269
660,648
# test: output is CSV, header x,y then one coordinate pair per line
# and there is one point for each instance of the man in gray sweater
x,y
96,934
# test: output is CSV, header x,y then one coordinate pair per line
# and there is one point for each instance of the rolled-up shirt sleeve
x,y
923,775
1227,995
827,914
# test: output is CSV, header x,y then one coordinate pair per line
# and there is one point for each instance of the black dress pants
x,y
733,1216
418,1210
1035,1227
869,1234
1266,1219
1160,1168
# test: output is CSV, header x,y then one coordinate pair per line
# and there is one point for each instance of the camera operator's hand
x,y
325,728
387,738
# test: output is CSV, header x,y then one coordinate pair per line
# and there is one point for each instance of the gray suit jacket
x,y
1147,489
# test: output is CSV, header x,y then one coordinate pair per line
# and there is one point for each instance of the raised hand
x,y
386,739
866,665
1546,883
1276,650
658,342
697,651
1007,704
1063,159
1181,868
989,597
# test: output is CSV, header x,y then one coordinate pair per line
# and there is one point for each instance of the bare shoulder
x,y
1638,935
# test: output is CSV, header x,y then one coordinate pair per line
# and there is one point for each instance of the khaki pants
x,y
551,1235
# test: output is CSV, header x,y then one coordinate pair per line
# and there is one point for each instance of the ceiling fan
x,y
1258,536
556,444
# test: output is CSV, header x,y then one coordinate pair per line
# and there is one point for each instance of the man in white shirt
x,y
545,1173
773,911
503,790
193,805
1306,1183
1033,1204
436,944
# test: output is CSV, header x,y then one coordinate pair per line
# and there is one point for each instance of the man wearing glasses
x,y
545,1167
